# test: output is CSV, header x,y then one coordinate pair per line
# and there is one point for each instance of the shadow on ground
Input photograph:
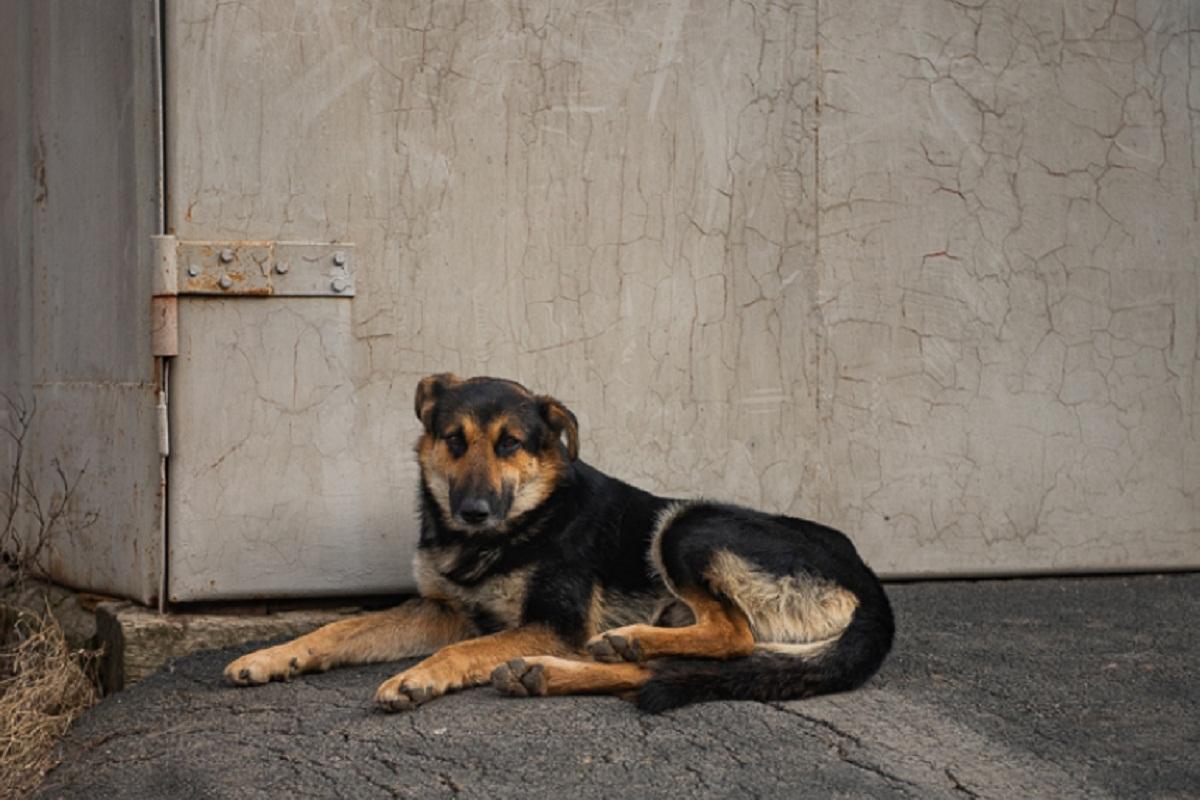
x,y
1031,688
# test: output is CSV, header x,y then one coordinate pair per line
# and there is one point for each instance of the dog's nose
x,y
474,511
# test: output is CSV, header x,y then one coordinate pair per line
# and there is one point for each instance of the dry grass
x,y
44,685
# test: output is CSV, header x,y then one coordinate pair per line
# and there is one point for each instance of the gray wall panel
x,y
269,429
92,215
1011,274
611,203
15,198
924,271
80,138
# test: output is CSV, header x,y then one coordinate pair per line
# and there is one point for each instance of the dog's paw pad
x,y
400,702
613,647
506,678
519,678
395,696
602,650
254,669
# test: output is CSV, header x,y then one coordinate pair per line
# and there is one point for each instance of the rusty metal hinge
x,y
243,269
164,314
265,269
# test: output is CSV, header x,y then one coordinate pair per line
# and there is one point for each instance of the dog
x,y
542,575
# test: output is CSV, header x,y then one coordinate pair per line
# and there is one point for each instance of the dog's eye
x,y
457,443
507,445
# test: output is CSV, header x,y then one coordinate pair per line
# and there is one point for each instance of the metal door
x,y
79,172
761,256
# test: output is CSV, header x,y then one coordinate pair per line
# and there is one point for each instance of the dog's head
x,y
491,450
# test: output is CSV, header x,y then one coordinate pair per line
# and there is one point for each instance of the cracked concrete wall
x,y
923,270
1009,284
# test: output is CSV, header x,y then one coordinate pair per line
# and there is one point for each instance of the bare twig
x,y
20,419
33,521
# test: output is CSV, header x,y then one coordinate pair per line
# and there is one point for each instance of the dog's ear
x,y
561,421
429,391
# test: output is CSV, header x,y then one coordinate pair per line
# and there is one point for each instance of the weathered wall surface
x,y
78,146
15,198
923,270
1010,278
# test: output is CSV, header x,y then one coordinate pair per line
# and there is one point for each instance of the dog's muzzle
x,y
474,511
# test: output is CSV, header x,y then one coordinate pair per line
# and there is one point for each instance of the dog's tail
x,y
779,673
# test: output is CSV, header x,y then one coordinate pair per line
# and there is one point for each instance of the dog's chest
x,y
442,574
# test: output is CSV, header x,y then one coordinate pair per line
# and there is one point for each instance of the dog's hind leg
x,y
535,676
415,628
682,550
720,631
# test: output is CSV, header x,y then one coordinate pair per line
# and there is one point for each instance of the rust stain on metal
x,y
164,326
208,282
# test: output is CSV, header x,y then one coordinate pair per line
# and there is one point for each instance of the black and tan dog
x,y
544,576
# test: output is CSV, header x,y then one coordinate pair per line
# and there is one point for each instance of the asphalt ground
x,y
1008,689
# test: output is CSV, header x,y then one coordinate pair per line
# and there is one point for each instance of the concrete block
x,y
139,641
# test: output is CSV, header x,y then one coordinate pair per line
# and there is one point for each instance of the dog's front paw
x,y
261,666
410,689
615,645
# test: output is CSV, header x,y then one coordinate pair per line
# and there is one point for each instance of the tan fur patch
x,y
533,477
532,490
804,650
654,554
611,609
502,596
433,460
595,614
793,609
